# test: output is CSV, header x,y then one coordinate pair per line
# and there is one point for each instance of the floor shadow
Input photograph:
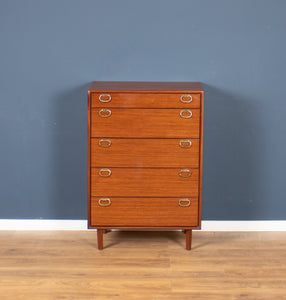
x,y
231,156
174,237
70,154
120,236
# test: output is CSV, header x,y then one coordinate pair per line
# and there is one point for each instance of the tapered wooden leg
x,y
189,239
100,239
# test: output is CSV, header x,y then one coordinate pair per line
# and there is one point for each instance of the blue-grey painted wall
x,y
50,51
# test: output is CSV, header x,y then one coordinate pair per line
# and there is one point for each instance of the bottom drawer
x,y
145,212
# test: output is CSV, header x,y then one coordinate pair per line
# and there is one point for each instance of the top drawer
x,y
145,100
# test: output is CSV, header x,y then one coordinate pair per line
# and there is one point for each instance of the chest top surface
x,y
134,86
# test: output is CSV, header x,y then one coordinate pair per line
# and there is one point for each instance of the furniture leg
x,y
100,239
189,239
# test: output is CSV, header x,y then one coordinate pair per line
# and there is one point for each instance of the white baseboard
x,y
244,225
20,224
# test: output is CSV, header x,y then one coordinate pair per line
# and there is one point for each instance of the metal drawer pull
x,y
186,113
103,96
186,98
104,202
104,172
184,202
185,143
104,143
185,173
105,112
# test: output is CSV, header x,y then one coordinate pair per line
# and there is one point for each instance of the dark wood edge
x,y
145,228
88,159
144,138
153,108
144,92
201,157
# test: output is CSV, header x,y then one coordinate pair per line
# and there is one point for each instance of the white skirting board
x,y
39,224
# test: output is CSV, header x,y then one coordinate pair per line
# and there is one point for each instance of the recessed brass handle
x,y
186,98
186,113
184,202
104,202
104,143
104,172
105,98
105,112
185,143
185,173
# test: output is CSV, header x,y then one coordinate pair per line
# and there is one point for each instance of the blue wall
x,y
50,51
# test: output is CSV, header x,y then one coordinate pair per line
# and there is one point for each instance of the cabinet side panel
x,y
201,157
88,159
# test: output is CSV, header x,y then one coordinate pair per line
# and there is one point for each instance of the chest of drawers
x,y
145,142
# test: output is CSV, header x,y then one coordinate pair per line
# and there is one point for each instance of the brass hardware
x,y
189,98
104,202
102,143
185,173
102,172
186,113
105,96
184,202
105,112
185,143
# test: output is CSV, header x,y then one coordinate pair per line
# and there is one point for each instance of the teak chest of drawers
x,y
145,145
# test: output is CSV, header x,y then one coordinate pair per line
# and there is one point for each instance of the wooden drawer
x,y
114,152
145,100
144,212
144,182
148,123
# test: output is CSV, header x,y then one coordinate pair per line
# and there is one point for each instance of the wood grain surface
x,y
134,131
144,182
140,100
142,265
144,212
145,123
144,152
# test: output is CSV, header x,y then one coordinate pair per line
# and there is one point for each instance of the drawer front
x,y
148,100
148,123
144,182
144,212
114,152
